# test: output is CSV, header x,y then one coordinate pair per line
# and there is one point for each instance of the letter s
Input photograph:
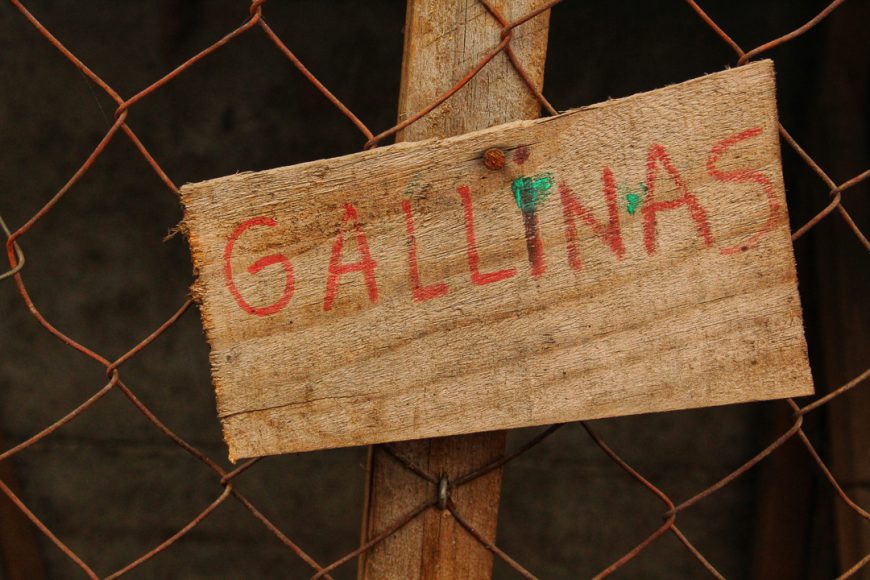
x,y
744,176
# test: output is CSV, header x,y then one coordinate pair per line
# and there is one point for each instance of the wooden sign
x,y
629,257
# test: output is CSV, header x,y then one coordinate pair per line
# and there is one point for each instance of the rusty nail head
x,y
493,158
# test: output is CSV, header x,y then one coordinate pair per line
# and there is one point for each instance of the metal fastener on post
x,y
442,492
493,158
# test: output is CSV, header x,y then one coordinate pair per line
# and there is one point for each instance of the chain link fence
x,y
224,481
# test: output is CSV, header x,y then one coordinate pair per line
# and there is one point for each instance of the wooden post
x,y
841,273
19,547
444,39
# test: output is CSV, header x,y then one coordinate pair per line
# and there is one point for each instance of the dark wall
x,y
98,267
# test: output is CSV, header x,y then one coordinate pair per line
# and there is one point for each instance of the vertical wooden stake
x,y
444,39
19,547
840,293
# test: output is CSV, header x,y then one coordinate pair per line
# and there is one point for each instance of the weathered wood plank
x,y
19,548
631,257
443,39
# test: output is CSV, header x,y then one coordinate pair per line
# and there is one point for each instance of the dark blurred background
x,y
112,487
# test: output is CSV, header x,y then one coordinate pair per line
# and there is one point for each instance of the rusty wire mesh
x,y
224,488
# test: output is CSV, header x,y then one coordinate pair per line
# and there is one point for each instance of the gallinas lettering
x,y
530,194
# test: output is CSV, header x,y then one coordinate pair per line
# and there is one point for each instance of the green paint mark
x,y
530,192
633,198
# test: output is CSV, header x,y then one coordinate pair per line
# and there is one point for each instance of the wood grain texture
x,y
694,315
443,42
444,39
